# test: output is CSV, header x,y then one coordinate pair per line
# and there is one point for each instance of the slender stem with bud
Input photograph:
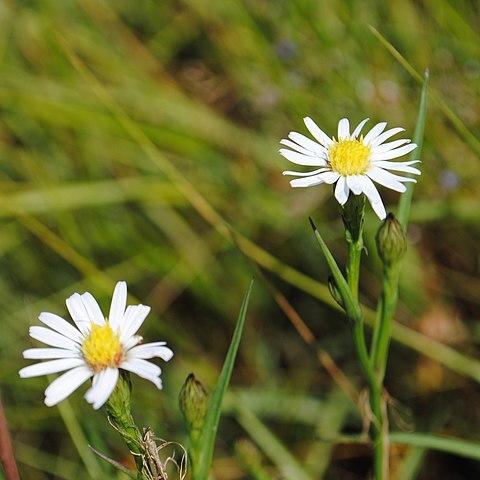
x,y
353,217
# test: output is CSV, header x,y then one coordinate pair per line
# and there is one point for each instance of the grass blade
x,y
442,443
406,198
209,432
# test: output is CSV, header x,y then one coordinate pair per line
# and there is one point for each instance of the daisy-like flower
x,y
98,347
352,161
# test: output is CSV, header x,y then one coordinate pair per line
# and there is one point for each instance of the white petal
x,y
343,129
385,147
355,184
52,366
118,305
134,317
319,134
357,131
306,174
306,143
103,385
374,133
295,146
144,369
386,135
301,159
64,385
306,182
389,180
326,177
94,312
373,196
398,166
45,353
398,152
78,312
330,177
61,326
132,341
51,338
151,350
342,191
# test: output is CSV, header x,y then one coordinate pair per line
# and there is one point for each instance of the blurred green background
x,y
136,136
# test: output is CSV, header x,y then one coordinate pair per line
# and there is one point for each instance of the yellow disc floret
x,y
102,348
349,157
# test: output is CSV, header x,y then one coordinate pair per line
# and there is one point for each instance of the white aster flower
x,y
98,347
352,161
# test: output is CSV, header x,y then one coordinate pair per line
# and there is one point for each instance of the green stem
x,y
353,275
119,413
379,432
353,220
383,327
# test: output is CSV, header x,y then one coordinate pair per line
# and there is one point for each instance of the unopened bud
x,y
193,401
391,240
334,292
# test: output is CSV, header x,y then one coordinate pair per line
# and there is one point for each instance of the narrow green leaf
x,y
442,443
209,432
406,198
351,306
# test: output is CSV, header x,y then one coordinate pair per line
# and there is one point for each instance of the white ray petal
x,y
78,312
49,337
355,184
398,152
307,143
144,369
61,326
326,177
94,312
104,383
357,131
374,133
373,196
317,132
398,166
296,147
67,383
386,147
301,159
132,341
52,366
306,174
133,321
329,177
342,191
343,129
150,350
386,135
46,353
118,305
389,180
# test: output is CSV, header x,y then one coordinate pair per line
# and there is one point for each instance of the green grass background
x,y
135,137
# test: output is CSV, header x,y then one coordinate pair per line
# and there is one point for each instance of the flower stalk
x,y
118,409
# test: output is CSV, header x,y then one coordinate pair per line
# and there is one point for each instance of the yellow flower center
x,y
102,348
349,157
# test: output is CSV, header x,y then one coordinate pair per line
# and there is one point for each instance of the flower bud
x,y
391,240
193,401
